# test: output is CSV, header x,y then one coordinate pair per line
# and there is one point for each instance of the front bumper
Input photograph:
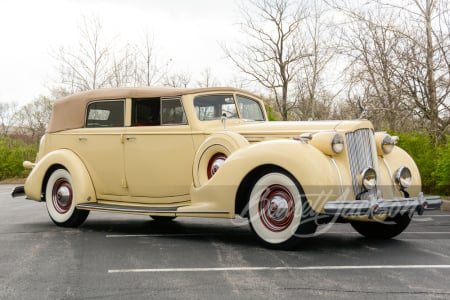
x,y
390,207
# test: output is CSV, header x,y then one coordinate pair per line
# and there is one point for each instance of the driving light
x,y
368,179
403,177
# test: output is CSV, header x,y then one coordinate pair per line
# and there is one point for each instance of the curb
x,y
445,205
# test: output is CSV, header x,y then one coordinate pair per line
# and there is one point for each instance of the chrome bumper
x,y
390,207
18,191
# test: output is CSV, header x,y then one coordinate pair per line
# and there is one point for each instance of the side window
x,y
146,112
173,112
213,107
250,109
105,114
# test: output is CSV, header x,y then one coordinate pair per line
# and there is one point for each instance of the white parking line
x,y
169,235
424,216
241,234
311,268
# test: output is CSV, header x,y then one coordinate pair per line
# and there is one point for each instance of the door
x,y
159,151
100,147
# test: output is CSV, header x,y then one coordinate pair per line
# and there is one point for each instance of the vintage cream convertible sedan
x,y
211,152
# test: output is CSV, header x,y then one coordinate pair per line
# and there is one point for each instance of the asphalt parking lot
x,y
115,256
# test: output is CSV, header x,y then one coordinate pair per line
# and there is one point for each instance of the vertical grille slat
x,y
361,150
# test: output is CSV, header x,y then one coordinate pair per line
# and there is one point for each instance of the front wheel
x,y
279,213
390,228
60,200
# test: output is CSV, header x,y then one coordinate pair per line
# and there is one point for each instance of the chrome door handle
x,y
82,139
130,138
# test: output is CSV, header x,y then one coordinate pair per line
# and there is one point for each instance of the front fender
x,y
35,183
312,169
396,159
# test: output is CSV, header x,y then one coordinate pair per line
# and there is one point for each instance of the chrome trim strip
x,y
341,189
388,167
143,210
131,209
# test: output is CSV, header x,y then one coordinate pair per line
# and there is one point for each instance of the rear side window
x,y
146,112
157,111
105,114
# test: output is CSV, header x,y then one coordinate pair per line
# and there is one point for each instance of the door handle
x,y
82,139
130,138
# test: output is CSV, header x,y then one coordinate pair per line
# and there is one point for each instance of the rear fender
x,y
62,158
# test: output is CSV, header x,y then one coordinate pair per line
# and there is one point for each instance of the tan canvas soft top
x,y
70,112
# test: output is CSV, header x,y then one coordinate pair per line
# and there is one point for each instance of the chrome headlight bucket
x,y
403,177
368,179
385,143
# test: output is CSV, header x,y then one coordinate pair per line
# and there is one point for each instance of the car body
x,y
211,152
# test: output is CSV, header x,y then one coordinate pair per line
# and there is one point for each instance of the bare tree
x,y
311,96
273,54
149,72
88,66
178,79
207,79
34,117
425,71
372,53
400,61
8,117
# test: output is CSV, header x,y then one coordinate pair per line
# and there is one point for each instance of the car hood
x,y
288,129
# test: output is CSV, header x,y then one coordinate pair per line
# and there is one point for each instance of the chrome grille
x,y
361,150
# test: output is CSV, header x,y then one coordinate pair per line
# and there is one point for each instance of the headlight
x,y
337,144
403,177
329,142
388,143
385,142
368,179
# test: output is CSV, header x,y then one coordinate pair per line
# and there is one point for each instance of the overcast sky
x,y
186,31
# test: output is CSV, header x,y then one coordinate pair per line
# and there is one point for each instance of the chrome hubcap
x,y
62,196
276,208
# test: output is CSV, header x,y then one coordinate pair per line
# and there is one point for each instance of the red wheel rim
x,y
276,208
62,196
215,163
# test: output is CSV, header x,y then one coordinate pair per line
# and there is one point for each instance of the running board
x,y
142,209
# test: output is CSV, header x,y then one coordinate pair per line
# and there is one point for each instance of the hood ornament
x,y
362,110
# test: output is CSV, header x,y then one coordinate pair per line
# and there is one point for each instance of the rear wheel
x,y
383,230
60,200
278,211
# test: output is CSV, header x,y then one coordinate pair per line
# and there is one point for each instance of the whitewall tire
x,y
60,200
277,207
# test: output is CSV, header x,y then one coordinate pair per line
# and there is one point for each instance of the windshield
x,y
213,107
250,109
